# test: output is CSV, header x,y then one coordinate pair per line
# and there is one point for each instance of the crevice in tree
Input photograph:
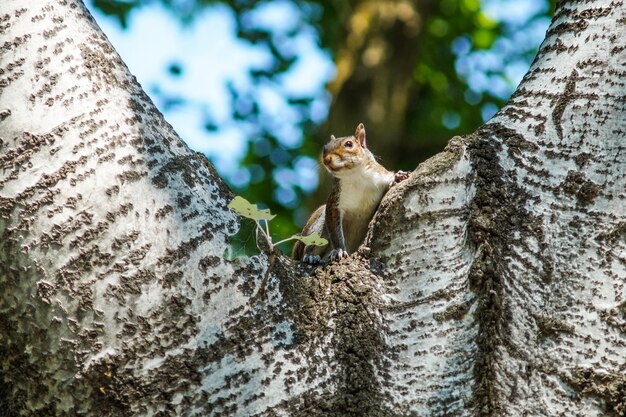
x,y
562,101
486,273
341,298
497,213
8,405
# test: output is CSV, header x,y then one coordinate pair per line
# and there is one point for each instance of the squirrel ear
x,y
332,137
360,134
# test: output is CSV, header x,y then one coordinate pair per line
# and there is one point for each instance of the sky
x,y
211,56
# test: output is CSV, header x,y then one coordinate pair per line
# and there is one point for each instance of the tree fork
x,y
490,283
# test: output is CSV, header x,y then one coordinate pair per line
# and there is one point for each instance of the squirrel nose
x,y
325,150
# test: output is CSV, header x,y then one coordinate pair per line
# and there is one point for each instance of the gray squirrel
x,y
359,184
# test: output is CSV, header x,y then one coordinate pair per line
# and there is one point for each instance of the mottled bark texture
x,y
492,282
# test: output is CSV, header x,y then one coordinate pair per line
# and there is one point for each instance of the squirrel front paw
x,y
337,254
400,176
312,259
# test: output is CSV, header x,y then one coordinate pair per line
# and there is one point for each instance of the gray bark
x,y
491,283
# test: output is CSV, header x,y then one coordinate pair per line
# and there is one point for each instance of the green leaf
x,y
248,210
485,22
243,243
483,38
312,240
471,5
439,27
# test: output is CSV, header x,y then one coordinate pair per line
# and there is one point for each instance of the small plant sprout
x,y
248,210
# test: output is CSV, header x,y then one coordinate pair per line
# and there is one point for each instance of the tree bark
x,y
492,282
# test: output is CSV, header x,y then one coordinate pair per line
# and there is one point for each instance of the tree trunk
x,y
492,282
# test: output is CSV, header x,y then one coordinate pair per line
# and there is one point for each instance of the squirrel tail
x,y
314,224
298,251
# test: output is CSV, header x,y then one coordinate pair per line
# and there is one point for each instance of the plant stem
x,y
268,239
258,225
285,240
261,291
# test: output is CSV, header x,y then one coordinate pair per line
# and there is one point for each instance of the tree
x,y
491,282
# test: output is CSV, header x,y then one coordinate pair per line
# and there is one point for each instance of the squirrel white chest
x,y
361,192
359,197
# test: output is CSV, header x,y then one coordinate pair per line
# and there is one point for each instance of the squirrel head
x,y
344,154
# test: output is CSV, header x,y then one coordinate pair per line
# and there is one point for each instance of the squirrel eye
x,y
348,144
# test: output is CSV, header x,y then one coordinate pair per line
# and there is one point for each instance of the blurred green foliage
x,y
415,72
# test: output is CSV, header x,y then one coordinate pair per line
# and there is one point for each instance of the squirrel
x,y
359,184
